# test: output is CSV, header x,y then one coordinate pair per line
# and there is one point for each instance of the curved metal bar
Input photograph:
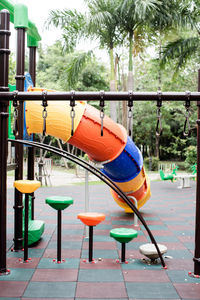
x,y
100,175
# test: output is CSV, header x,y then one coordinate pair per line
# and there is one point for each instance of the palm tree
x,y
133,17
99,23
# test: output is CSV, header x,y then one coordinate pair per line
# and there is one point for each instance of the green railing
x,y
32,31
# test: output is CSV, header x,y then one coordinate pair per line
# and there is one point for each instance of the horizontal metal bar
x,y
108,96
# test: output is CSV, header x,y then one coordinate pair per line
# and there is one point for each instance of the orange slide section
x,y
121,159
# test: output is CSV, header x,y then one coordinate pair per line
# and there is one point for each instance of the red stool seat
x,y
91,218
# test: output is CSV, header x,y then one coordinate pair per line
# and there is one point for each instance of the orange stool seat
x,y
26,186
91,218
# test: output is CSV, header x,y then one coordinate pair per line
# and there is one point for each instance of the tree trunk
x,y
113,105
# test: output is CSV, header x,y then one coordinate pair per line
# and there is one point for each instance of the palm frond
x,y
180,51
78,63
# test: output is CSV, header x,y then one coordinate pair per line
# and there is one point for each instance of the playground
x,y
123,237
170,215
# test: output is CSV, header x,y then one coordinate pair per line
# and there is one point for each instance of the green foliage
x,y
191,157
62,71
151,163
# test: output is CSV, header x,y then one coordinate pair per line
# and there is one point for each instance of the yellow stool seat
x,y
27,186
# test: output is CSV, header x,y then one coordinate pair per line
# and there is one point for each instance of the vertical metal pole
x,y
4,65
123,252
19,148
26,227
86,198
197,227
90,243
59,235
31,152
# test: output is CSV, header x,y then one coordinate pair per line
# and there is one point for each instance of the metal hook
x,y
186,130
130,113
102,104
159,114
44,112
15,113
72,112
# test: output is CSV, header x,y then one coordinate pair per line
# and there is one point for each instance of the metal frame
x,y
109,96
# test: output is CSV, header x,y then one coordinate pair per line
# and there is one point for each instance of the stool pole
x,y
26,227
59,235
90,243
123,252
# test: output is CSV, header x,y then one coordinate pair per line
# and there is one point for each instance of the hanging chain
x,y
15,114
102,104
130,113
159,115
44,112
186,130
72,112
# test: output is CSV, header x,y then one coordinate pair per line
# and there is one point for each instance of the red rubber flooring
x,y
170,215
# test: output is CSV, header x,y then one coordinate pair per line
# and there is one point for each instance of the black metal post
x,y
90,243
26,228
31,152
59,235
18,239
123,252
197,227
4,64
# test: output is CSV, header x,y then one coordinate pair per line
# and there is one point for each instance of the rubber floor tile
x,y
158,290
166,239
31,253
66,253
65,245
101,254
179,254
12,288
102,263
100,245
55,275
68,238
188,290
137,264
180,264
18,275
100,275
50,289
98,290
145,276
47,263
14,262
181,276
46,298
9,298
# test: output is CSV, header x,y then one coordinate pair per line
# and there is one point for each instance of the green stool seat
x,y
123,236
59,202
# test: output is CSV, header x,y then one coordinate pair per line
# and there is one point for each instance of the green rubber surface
x,y
59,202
123,235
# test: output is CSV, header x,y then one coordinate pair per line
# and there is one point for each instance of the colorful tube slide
x,y
121,159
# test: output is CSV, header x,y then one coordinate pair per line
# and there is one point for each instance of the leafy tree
x,y
187,44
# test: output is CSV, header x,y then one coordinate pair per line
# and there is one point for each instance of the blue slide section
x,y
127,165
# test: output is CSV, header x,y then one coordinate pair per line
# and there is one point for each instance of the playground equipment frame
x,y
21,96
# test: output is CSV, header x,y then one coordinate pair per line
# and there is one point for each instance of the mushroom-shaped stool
x,y
150,251
26,187
91,219
123,236
59,203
